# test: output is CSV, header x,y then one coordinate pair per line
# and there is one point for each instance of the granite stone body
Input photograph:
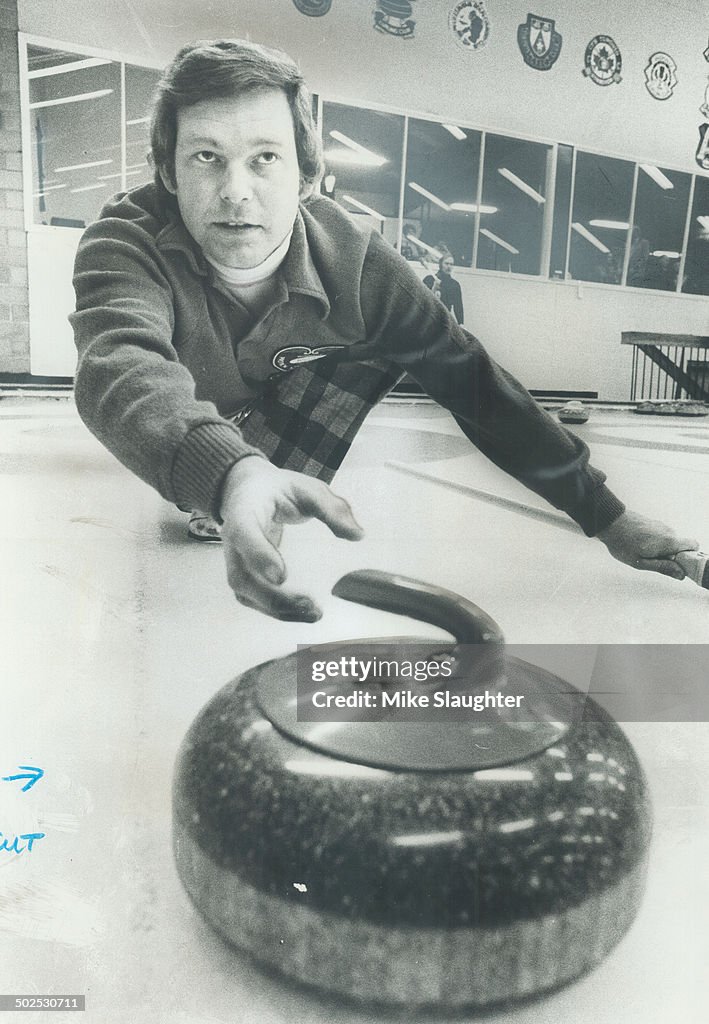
x,y
447,887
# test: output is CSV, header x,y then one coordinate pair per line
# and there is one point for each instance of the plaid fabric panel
x,y
307,419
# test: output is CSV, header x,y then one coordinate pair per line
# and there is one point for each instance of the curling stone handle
x,y
423,601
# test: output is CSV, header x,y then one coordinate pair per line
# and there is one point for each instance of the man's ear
x,y
307,188
167,181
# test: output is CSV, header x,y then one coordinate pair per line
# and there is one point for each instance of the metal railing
x,y
666,366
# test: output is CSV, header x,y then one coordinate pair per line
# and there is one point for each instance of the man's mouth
x,y
236,225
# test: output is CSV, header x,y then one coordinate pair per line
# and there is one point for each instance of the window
x,y
600,220
657,234
74,111
440,192
513,210
140,87
363,163
696,268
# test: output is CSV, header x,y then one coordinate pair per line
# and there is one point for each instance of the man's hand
x,y
646,544
257,501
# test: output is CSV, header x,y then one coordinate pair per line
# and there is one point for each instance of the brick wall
x,y
14,299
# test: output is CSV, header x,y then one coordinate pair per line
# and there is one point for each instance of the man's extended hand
x,y
646,544
257,501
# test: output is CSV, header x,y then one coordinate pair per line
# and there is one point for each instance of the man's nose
x,y
236,185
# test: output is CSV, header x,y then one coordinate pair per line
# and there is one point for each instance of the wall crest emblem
x,y
602,61
539,42
470,24
394,17
660,76
313,8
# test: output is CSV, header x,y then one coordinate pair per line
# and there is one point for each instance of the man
x,y
227,287
445,287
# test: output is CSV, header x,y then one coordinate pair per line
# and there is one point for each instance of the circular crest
x,y
602,61
470,24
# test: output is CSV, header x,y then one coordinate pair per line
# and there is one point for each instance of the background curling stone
x,y
413,863
573,412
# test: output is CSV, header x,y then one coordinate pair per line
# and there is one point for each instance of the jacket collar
x,y
298,269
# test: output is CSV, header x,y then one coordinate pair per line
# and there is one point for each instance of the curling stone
x,y
573,412
414,863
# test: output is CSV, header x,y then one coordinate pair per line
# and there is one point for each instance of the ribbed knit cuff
x,y
203,459
599,510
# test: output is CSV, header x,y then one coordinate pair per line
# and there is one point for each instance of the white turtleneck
x,y
254,287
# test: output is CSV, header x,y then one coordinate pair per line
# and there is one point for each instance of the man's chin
x,y
236,258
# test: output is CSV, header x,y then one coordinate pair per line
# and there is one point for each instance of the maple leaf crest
x,y
602,58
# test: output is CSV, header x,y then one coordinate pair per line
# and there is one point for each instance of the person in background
x,y
449,289
234,328
638,259
445,287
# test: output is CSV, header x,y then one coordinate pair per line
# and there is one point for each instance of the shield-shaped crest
x,y
539,43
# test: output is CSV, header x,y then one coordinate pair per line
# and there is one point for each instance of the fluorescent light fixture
x,y
364,208
135,167
81,167
50,188
499,241
455,131
110,177
74,65
590,237
473,208
423,839
668,253
521,185
72,99
87,188
704,221
657,176
428,195
424,245
138,120
349,157
373,158
611,225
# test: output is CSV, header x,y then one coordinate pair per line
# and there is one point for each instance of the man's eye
x,y
206,156
267,158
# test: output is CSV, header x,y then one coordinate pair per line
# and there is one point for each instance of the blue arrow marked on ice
x,y
29,772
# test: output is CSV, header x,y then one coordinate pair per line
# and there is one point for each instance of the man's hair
x,y
230,67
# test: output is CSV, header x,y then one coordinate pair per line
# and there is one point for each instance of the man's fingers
x,y
257,502
685,544
250,553
665,566
276,602
316,501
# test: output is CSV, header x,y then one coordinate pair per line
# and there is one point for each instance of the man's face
x,y
237,179
447,265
